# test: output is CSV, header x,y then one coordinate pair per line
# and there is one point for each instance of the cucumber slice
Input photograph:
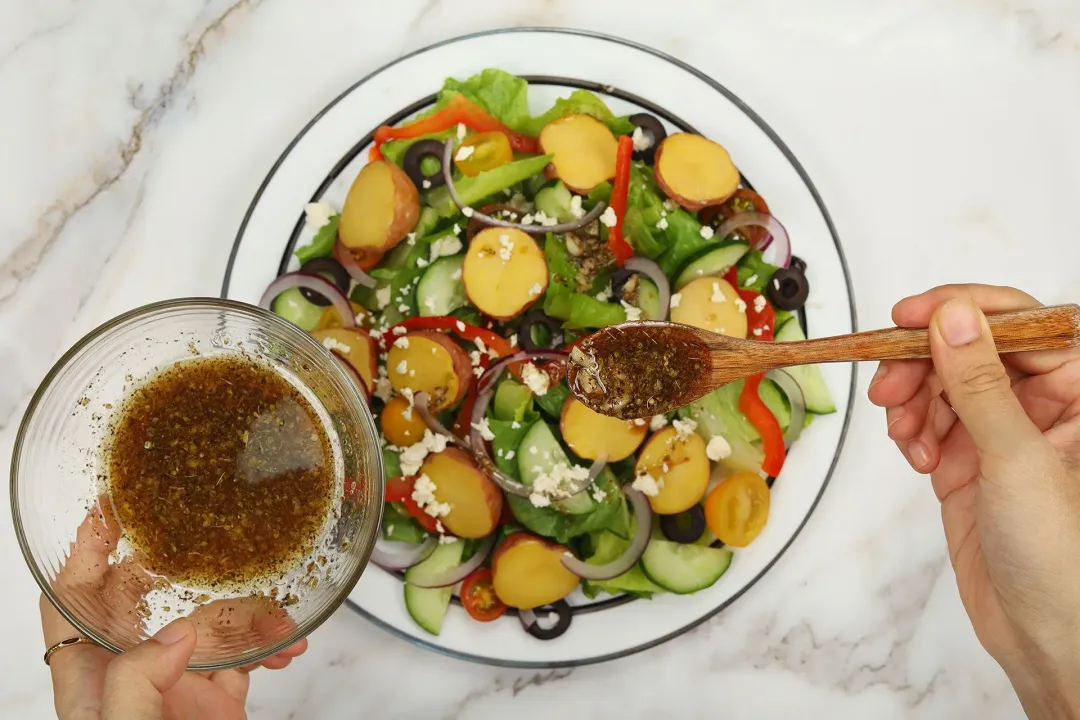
x,y
774,399
554,201
809,377
714,261
648,299
427,606
440,290
684,569
548,454
294,307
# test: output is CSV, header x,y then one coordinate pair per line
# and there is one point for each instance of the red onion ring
x,y
615,568
790,387
315,283
348,261
493,373
393,555
777,237
651,270
455,575
420,404
447,169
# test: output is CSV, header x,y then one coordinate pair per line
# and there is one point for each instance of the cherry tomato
x,y
401,423
488,150
743,200
737,508
330,317
479,598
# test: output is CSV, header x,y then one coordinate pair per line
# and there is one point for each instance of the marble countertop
x,y
941,133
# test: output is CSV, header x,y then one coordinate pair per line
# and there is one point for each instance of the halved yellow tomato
x,y
736,510
482,151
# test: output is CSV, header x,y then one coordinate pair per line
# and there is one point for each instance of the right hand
x,y
1000,439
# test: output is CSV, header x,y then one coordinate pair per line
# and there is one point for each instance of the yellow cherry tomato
x,y
737,508
331,319
482,151
401,424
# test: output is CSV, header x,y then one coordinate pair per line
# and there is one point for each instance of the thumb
x,y
977,384
136,679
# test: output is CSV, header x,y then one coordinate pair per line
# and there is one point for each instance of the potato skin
x,y
382,207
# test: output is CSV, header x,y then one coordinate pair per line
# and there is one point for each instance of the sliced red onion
x,y
392,555
420,403
777,238
448,175
527,618
357,379
615,568
348,261
455,575
651,270
790,387
493,373
315,283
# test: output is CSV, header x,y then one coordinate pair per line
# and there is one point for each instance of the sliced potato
x,y
710,303
695,171
475,501
527,572
681,468
590,434
584,151
381,208
354,347
428,361
504,272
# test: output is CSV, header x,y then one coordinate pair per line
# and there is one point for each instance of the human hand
x,y
148,681
1000,439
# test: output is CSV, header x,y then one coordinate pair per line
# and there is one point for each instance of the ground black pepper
x,y
220,472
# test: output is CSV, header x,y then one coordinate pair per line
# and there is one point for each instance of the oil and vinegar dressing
x,y
221,472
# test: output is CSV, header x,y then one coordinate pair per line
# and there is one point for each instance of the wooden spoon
x,y
640,369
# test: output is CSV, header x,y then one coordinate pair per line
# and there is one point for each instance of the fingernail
x,y
918,453
174,632
959,322
894,414
882,371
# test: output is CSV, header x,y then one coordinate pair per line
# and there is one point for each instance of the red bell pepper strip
x,y
459,110
399,490
460,328
760,324
620,192
763,420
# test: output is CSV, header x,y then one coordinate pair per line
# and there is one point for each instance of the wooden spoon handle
x,y
1042,328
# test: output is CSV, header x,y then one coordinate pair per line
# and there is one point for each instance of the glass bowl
x,y
60,505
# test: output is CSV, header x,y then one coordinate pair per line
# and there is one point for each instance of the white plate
x,y
325,157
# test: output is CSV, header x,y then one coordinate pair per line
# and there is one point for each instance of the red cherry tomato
x,y
479,598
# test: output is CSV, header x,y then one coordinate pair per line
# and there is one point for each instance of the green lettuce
x,y
322,245
398,525
474,189
607,547
502,95
611,514
579,102
753,265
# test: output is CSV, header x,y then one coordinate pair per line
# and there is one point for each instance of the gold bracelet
x,y
64,644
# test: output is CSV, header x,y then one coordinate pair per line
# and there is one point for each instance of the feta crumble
x,y
484,430
706,232
445,246
662,224
642,142
464,153
382,297
759,303
575,207
331,344
398,330
717,294
535,290
467,212
718,448
402,367
646,484
676,298
461,131
658,422
536,380
632,313
605,294
402,342
684,428
318,214
426,184
608,217
740,304
749,282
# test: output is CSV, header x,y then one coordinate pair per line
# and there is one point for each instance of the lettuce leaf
x,y
504,96
398,525
611,514
322,245
579,102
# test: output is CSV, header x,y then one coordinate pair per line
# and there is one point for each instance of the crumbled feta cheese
x,y
423,490
536,380
633,314
478,371
642,142
706,232
539,500
446,539
669,205
456,229
717,294
657,422
513,341
575,207
684,428
664,467
757,332
383,388
444,246
535,290
411,238
759,303
440,529
474,357
598,494
639,422
390,529
421,262
480,344
467,212
718,448
527,219
605,294
499,452
540,217
460,326
749,282
510,454
676,298
608,217
402,342
550,221
464,152
646,484
662,224
484,430
331,344
318,214
426,184
461,131
382,297
740,304
403,309
438,510
776,284
407,413
515,425
398,330
402,367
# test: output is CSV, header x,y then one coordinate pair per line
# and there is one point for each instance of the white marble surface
x,y
941,133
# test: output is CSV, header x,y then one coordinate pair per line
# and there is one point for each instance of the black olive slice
x,y
330,269
535,317
654,131
415,155
536,628
685,527
788,289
